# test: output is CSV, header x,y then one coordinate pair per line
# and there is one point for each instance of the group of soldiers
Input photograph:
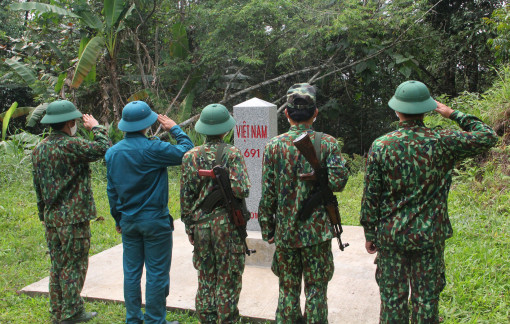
x,y
403,213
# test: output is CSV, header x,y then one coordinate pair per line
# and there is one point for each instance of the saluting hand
x,y
89,121
444,110
166,122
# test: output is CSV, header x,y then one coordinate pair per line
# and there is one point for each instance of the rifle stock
x,y
305,146
221,175
320,175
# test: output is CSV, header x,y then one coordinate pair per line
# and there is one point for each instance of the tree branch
x,y
173,102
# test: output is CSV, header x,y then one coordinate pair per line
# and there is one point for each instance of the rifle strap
x,y
315,199
215,197
217,157
208,218
317,144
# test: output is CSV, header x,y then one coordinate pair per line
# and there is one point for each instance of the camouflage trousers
x,y
423,271
219,259
315,265
69,250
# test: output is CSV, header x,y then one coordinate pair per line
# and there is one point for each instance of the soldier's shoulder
x,y
232,148
278,139
42,146
328,138
385,139
193,151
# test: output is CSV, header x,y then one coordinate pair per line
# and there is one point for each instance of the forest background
x,y
180,56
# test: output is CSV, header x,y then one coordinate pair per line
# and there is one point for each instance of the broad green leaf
x,y
20,111
87,60
91,20
7,118
112,11
361,67
91,76
83,43
29,140
125,14
23,71
179,47
406,71
36,115
42,8
60,82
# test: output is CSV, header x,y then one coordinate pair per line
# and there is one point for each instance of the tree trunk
x,y
116,99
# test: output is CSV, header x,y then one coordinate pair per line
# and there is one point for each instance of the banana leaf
x,y
24,72
42,8
87,60
91,20
7,118
36,114
20,111
112,11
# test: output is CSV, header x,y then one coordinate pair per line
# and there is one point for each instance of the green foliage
x,y
26,73
36,115
115,134
492,106
6,118
500,24
87,60
195,53
42,8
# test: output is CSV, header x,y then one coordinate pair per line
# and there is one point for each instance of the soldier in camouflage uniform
x,y
303,247
218,252
66,205
404,208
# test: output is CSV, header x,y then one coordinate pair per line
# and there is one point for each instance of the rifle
x,y
324,194
234,207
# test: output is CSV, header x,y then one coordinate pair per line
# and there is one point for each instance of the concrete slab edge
x,y
244,319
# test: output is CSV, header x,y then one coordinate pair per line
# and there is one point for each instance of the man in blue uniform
x,y
138,194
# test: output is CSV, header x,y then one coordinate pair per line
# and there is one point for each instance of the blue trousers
x,y
149,242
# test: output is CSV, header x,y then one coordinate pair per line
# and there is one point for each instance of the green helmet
x,y
136,116
214,120
412,97
60,111
303,91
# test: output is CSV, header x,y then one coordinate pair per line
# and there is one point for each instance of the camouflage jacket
x,y
283,192
62,176
194,189
408,176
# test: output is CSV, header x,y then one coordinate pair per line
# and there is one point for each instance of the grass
x,y
477,259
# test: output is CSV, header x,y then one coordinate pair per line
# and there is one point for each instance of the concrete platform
x,y
353,295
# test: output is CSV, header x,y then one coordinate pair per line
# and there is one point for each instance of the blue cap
x,y
137,116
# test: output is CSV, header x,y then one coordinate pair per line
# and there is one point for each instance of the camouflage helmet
x,y
412,97
214,120
303,91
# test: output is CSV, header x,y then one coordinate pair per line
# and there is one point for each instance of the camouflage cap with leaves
x,y
303,91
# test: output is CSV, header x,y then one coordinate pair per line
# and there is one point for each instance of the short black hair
x,y
58,126
300,115
413,116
